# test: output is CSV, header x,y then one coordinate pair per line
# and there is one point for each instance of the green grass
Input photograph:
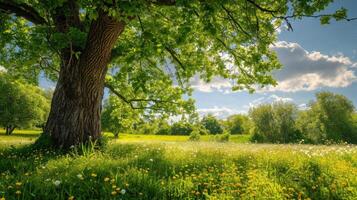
x,y
144,167
28,136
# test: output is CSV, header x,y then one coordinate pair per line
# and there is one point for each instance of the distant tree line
x,y
331,118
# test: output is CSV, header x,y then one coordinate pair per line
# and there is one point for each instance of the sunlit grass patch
x,y
181,170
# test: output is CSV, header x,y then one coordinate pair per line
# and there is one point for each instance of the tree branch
x,y
260,7
21,10
163,2
131,101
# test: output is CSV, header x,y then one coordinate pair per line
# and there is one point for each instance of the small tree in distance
x,y
118,117
237,124
274,123
212,125
21,105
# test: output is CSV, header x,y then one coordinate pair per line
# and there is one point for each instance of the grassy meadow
x,y
171,167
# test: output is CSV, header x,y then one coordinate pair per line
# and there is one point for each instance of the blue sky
x,y
314,57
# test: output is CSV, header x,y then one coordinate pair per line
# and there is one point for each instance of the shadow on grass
x,y
21,135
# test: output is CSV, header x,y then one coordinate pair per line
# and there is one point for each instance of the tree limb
x,y
131,101
260,7
22,10
163,2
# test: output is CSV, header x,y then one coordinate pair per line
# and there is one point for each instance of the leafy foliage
x,y
165,43
118,117
274,123
329,118
21,105
181,128
195,136
211,124
237,124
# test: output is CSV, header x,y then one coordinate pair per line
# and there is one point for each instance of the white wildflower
x,y
122,191
57,183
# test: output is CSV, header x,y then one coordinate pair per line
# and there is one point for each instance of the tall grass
x,y
181,170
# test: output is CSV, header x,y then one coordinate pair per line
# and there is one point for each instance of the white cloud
x,y
266,100
303,106
216,84
302,71
307,71
219,112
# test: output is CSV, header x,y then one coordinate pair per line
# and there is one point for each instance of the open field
x,y
144,167
28,136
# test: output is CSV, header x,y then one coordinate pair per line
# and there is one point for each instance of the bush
x,y
194,136
223,137
181,128
237,124
164,131
211,124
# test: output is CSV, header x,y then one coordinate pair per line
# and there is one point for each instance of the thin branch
x,y
22,10
229,13
260,7
131,101
236,58
176,59
163,2
174,56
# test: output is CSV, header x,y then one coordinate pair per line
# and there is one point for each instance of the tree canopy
x,y
274,123
211,124
164,44
330,118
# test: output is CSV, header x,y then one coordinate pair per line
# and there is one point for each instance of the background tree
x,y
211,124
118,117
330,117
154,48
237,124
181,127
274,123
21,105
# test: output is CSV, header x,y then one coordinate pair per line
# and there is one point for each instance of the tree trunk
x,y
9,129
76,105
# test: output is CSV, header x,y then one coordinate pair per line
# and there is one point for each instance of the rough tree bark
x,y
76,105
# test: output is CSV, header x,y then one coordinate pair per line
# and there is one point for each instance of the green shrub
x,y
181,128
212,125
194,136
222,137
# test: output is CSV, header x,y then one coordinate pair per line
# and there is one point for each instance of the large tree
x,y
329,118
153,46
